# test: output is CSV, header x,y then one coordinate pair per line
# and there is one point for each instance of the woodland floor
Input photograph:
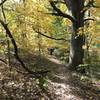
x,y
62,84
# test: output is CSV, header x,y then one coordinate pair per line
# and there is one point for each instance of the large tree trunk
x,y
76,51
77,38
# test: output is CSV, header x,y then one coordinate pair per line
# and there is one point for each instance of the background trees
x,y
28,23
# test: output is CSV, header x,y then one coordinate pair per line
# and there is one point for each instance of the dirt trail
x,y
67,86
62,83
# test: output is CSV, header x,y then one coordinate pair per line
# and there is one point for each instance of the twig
x,y
3,2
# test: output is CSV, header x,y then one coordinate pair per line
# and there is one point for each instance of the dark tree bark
x,y
8,42
77,17
77,39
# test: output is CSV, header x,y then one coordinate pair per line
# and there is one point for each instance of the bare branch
x,y
91,3
59,12
89,19
38,73
59,2
3,61
3,2
67,2
49,36
4,16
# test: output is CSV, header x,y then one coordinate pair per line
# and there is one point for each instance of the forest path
x,y
67,86
62,83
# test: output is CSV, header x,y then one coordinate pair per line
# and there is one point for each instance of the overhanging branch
x,y
3,2
87,19
91,3
59,12
49,36
38,73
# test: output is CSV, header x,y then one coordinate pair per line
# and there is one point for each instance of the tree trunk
x,y
76,51
77,11
77,38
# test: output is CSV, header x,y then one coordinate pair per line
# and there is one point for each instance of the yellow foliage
x,y
33,13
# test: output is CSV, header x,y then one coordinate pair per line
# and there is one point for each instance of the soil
x,y
60,84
